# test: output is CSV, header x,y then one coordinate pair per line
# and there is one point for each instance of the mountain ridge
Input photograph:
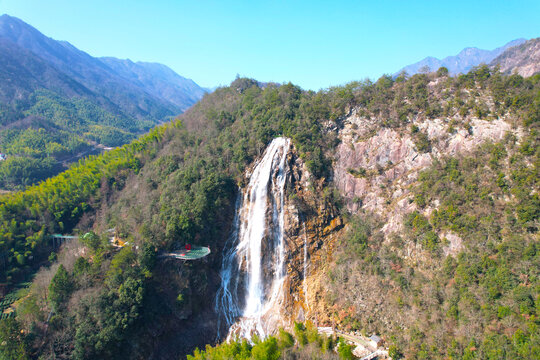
x,y
158,79
461,62
96,75
523,59
19,63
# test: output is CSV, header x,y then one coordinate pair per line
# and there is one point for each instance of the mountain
x,y
460,63
407,209
22,72
132,97
158,80
94,103
523,59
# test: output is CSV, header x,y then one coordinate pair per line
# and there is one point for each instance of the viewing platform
x,y
193,253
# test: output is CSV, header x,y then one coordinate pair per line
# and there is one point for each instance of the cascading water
x,y
252,273
306,262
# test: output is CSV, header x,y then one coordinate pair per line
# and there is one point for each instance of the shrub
x,y
345,350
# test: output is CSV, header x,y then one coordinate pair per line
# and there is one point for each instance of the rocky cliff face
x,y
312,227
374,170
376,167
283,233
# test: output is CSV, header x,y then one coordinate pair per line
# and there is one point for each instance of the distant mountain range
x,y
523,59
140,90
462,62
158,80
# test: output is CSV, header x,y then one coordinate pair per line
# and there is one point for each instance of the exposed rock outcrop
x,y
312,225
375,167
374,170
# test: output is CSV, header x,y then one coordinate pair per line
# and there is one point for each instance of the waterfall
x,y
306,254
252,272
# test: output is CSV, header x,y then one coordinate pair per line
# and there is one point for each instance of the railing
x,y
58,239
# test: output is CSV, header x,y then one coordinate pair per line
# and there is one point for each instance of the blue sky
x,y
315,44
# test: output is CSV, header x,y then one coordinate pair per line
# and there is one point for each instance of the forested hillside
x,y
46,132
180,189
178,185
58,104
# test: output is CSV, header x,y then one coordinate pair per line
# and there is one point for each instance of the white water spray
x,y
304,282
252,273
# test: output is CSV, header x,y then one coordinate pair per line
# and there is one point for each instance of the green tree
x,y
394,352
442,71
91,239
345,350
266,350
60,288
285,340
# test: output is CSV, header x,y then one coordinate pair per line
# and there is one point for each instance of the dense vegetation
x,y
178,185
79,101
44,132
57,204
306,343
485,297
